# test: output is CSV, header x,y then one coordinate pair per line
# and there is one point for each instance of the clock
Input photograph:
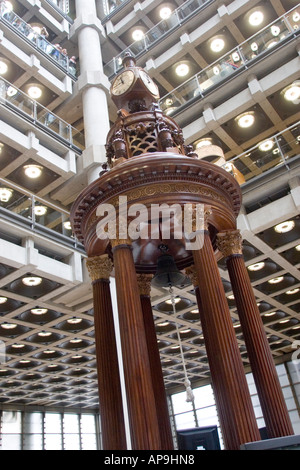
x,y
149,83
122,83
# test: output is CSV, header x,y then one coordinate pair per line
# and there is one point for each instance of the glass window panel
x,y
88,442
53,442
71,423
11,422
33,423
11,441
185,420
71,442
33,442
180,404
52,422
88,423
207,416
203,396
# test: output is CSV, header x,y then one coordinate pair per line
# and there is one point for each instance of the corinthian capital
x,y
99,267
144,283
230,242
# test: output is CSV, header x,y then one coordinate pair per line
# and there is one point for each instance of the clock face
x,y
149,83
122,83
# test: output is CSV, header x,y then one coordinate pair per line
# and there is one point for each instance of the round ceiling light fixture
x,y
276,280
39,311
256,18
203,143
74,321
32,281
40,210
3,67
137,34
245,120
284,226
3,300
9,326
217,44
32,171
292,92
266,145
5,194
293,291
34,92
256,266
165,13
182,70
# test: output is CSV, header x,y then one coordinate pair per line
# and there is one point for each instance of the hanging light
x,y
168,275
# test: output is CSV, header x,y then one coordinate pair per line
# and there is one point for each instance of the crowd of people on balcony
x,y
39,36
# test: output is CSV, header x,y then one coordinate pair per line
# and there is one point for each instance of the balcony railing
x,y
35,213
38,41
274,152
155,34
231,63
40,116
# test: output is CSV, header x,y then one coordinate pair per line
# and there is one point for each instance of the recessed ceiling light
x,y
18,346
267,145
32,281
9,326
34,92
230,296
296,16
256,266
76,340
40,210
275,30
3,67
33,171
44,333
188,330
74,321
137,35
270,314
284,321
11,91
292,92
256,18
182,70
165,13
297,247
39,311
236,325
67,225
49,351
5,194
292,291
285,226
3,300
164,323
245,120
276,280
177,299
78,356
196,310
217,44
254,46
25,361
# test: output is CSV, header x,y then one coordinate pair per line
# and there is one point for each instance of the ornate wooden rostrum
x,y
149,164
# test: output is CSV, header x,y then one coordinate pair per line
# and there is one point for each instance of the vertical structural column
x,y
231,391
263,368
93,85
110,395
142,414
144,283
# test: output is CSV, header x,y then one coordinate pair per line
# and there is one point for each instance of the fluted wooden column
x,y
144,283
269,390
139,388
110,397
231,391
